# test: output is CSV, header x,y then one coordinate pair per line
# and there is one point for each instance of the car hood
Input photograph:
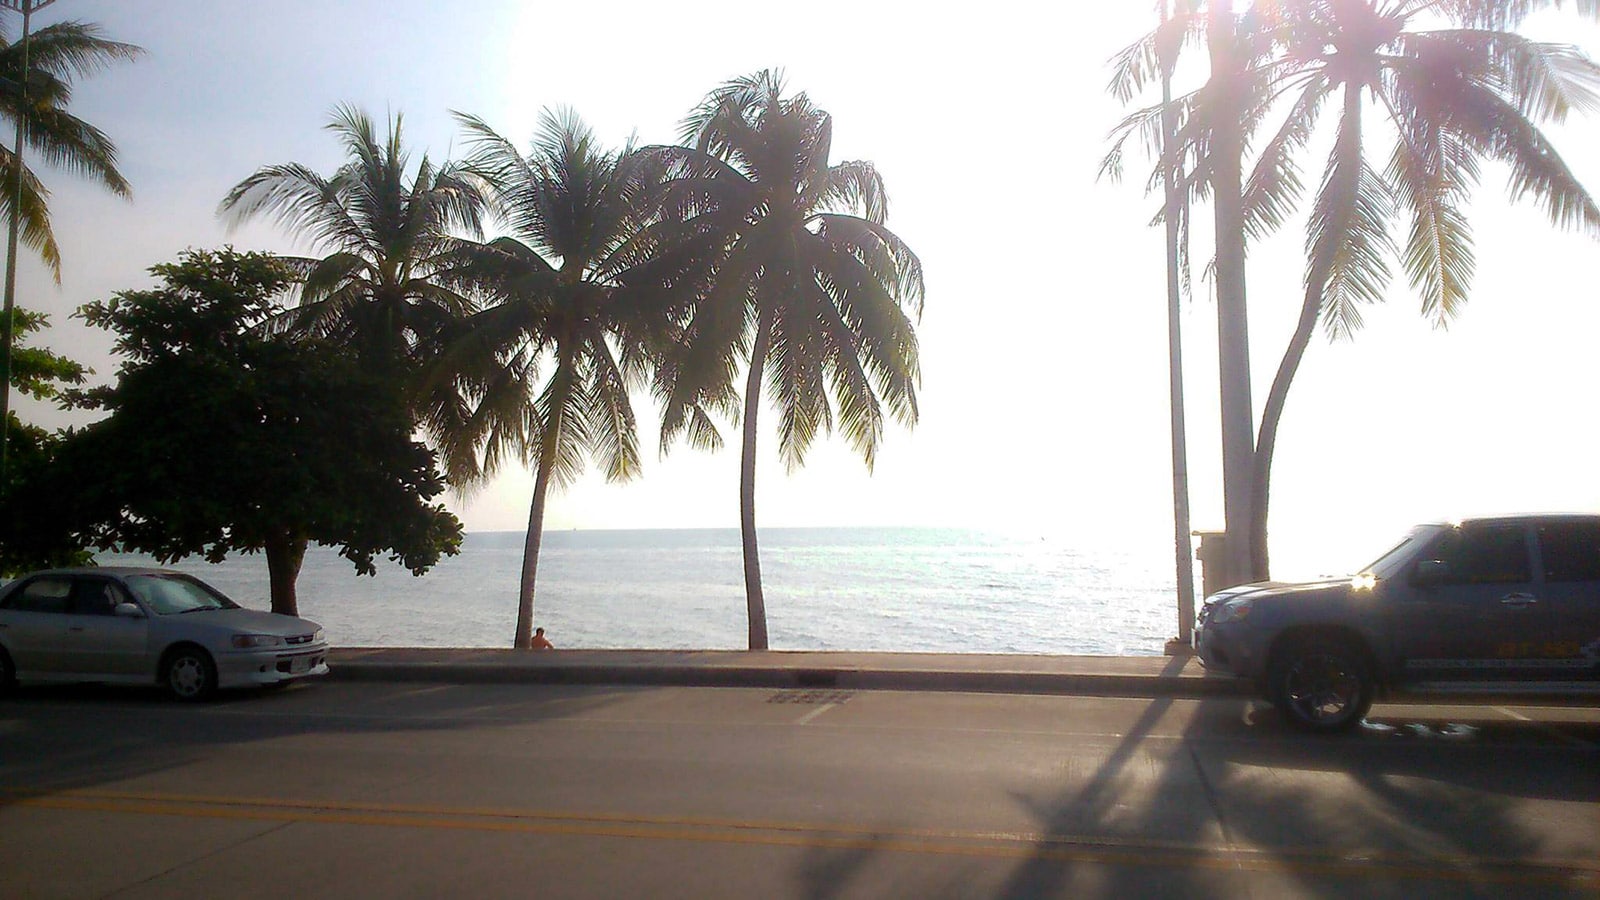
x,y
1264,589
247,621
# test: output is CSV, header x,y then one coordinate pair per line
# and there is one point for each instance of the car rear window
x,y
48,595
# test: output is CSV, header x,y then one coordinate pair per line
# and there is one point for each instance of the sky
x,y
1044,400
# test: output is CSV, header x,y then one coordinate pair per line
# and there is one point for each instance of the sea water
x,y
893,589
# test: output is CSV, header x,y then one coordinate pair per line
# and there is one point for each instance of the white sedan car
x,y
148,626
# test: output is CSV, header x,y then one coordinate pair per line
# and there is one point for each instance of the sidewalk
x,y
1117,676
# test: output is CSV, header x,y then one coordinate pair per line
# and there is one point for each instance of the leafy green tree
x,y
224,438
31,538
816,301
551,356
383,289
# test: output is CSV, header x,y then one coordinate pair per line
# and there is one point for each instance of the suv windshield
x,y
171,594
1390,562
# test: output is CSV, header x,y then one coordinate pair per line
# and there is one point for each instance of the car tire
x,y
8,674
189,674
1321,685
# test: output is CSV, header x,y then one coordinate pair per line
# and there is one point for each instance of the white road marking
x,y
806,719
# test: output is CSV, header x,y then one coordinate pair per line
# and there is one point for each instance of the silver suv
x,y
1495,605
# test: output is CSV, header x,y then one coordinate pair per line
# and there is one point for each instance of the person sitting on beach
x,y
540,642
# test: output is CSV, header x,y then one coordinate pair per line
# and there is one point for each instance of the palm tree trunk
x,y
548,444
1183,540
1348,155
285,554
754,600
1233,342
1266,442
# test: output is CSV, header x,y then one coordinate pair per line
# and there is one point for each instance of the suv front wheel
x,y
1321,684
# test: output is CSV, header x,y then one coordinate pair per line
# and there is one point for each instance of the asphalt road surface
x,y
403,790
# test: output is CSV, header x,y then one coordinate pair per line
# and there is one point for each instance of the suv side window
x,y
1570,550
46,595
1495,554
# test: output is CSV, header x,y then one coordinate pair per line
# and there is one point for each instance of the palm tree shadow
x,y
1247,783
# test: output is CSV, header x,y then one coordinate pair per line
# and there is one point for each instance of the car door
x,y
1470,608
99,642
34,624
1569,561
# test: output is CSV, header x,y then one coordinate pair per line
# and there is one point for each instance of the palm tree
x,y
386,288
35,87
1213,126
57,54
1454,98
817,302
555,305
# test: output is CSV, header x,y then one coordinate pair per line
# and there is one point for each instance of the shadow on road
x,y
50,745
1404,809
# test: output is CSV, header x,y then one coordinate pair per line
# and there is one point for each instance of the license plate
x,y
302,664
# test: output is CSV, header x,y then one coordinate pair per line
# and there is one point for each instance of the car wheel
x,y
1321,684
190,674
8,674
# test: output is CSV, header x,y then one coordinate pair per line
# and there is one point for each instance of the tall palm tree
x,y
57,55
1213,126
817,302
386,287
1455,97
1452,98
36,105
555,307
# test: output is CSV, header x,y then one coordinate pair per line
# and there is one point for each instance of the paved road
x,y
413,790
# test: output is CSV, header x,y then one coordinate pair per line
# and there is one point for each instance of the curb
x,y
1100,685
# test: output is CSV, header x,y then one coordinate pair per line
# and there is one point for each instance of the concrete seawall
x,y
1118,676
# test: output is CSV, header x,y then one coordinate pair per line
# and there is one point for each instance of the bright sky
x,y
1044,348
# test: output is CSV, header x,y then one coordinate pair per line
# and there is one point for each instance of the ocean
x,y
890,589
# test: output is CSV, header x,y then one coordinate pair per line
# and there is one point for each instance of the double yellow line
x,y
1584,873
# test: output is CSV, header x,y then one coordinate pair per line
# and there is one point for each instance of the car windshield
x,y
172,594
1390,562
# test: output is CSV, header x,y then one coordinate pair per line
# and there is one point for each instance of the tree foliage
x,y
1419,99
549,359
223,437
384,290
27,540
57,54
817,300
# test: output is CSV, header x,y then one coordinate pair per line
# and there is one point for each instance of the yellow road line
x,y
1110,851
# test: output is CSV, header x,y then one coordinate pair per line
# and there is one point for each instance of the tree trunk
x,y
285,553
1233,342
1183,541
1261,472
754,600
548,443
1345,190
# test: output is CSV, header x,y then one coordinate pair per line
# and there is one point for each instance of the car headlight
x,y
1232,611
316,636
248,641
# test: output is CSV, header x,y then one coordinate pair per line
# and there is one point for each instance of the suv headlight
x,y
248,641
1232,611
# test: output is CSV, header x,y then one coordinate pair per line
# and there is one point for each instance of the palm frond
x,y
1347,237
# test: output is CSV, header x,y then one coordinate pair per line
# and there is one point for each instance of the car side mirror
x,y
128,611
1430,572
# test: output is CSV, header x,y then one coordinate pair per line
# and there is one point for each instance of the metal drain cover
x,y
811,697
